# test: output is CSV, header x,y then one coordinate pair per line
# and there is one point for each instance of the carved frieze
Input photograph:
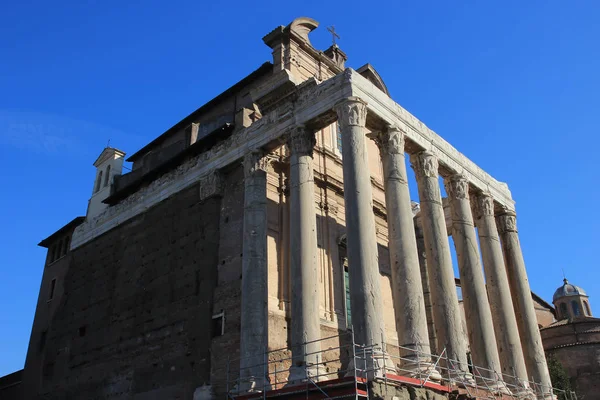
x,y
457,187
425,165
507,222
301,141
352,112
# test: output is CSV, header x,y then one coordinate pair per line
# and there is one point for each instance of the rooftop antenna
x,y
108,144
334,34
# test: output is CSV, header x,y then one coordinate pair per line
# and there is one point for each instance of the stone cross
x,y
334,34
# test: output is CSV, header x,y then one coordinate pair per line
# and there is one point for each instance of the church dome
x,y
568,289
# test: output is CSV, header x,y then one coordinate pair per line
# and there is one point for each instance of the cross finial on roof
x,y
334,34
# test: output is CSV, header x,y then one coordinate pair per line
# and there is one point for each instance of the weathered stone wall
x,y
582,363
543,314
134,320
226,349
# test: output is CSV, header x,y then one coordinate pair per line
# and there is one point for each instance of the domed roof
x,y
568,289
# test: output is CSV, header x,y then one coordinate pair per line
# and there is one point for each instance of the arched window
x,y
99,181
563,310
586,308
107,177
575,307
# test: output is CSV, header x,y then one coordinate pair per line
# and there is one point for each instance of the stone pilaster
x,y
363,263
446,311
305,321
409,304
484,352
253,332
498,291
535,360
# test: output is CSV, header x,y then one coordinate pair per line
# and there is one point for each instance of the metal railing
x,y
340,356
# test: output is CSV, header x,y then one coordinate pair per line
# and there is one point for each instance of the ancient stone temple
x,y
267,245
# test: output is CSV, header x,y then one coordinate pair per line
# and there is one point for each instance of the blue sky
x,y
513,85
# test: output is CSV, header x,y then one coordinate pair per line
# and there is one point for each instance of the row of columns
x,y
498,337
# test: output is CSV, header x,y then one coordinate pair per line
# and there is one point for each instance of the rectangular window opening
x,y
218,324
52,287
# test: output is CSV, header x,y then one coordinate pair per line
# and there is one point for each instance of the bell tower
x,y
108,165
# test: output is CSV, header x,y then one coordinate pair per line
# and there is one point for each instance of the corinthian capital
x,y
301,141
457,187
483,205
352,111
507,221
255,161
425,165
391,141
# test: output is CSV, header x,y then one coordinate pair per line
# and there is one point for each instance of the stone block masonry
x,y
139,300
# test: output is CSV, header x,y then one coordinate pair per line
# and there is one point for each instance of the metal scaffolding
x,y
345,369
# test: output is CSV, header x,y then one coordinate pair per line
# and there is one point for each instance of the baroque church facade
x,y
264,238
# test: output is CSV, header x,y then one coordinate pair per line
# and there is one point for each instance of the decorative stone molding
x,y
507,222
301,141
211,185
425,165
391,141
255,161
352,111
457,187
483,205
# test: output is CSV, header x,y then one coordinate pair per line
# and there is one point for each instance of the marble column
x,y
253,331
305,321
498,291
363,260
480,326
535,360
409,303
446,312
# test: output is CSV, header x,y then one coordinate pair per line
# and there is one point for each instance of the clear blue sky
x,y
513,85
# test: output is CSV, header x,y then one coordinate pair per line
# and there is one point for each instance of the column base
x,y
252,384
499,388
462,378
420,370
375,366
302,373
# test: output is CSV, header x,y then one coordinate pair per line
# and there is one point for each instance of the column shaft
x,y
535,359
363,264
446,311
305,321
482,339
407,290
253,338
498,291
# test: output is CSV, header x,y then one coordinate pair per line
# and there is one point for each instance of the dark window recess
x,y
82,330
52,287
43,336
218,324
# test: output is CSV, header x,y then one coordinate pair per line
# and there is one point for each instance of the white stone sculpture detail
x,y
457,187
507,222
255,161
353,111
301,141
425,165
